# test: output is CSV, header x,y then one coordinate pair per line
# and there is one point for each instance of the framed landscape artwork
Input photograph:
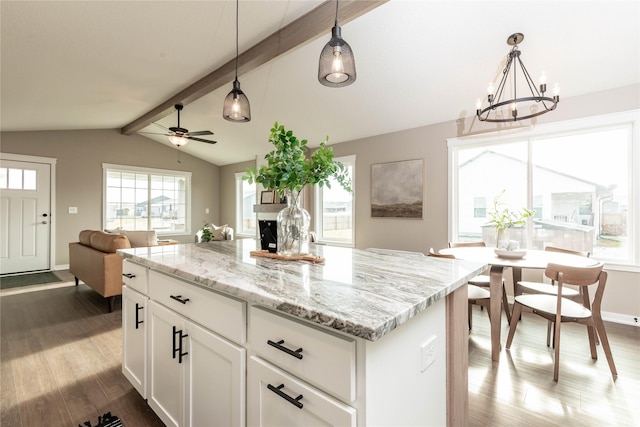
x,y
396,189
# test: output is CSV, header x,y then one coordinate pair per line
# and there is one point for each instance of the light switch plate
x,y
73,210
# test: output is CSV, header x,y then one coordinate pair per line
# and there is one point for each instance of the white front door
x,y
25,216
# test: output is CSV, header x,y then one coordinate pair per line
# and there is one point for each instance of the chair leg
x,y
77,281
469,305
549,323
110,301
517,311
556,345
604,340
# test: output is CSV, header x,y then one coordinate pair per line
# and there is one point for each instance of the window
x,y
146,199
17,179
479,207
245,199
334,209
577,176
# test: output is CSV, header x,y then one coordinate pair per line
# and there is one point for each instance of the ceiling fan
x,y
180,136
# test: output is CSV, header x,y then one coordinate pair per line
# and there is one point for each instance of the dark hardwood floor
x,y
61,366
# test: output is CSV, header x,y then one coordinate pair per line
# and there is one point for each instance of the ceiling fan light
x,y
337,65
178,141
236,105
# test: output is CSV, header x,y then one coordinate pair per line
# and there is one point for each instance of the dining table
x,y
516,260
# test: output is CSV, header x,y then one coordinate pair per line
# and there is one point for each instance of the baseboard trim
x,y
61,267
624,319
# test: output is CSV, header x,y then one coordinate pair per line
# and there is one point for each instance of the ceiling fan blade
x,y
201,132
201,140
155,133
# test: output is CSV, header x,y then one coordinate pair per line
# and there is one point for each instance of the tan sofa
x,y
94,261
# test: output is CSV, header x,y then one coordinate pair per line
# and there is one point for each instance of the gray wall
x,y
80,154
429,143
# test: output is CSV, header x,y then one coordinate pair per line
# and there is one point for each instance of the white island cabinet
x,y
362,340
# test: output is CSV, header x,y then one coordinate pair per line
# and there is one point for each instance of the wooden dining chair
x,y
482,280
560,309
578,295
475,294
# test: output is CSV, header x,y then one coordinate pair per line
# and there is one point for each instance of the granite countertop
x,y
357,292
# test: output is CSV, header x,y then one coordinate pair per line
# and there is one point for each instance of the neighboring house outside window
x,y
334,210
245,199
137,198
581,178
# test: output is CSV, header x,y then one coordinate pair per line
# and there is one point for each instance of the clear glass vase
x,y
293,227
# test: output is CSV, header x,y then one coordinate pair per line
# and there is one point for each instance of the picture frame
x,y
267,197
397,189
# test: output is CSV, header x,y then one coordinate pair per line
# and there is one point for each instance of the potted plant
x,y
288,170
207,235
503,218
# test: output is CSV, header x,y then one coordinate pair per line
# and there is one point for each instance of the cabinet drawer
x,y
276,398
326,360
221,314
135,276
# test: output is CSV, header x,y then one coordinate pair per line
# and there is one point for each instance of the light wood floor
x,y
519,389
60,354
61,365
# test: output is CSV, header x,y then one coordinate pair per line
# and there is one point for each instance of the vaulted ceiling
x,y
110,64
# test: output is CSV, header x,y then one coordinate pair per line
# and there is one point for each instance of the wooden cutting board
x,y
308,257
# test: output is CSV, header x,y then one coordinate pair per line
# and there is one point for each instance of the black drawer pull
x,y
179,298
285,396
279,346
129,275
138,308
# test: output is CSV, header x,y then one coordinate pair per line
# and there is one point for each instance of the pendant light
x,y
337,67
236,104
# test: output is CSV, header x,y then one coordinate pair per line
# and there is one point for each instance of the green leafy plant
x,y
503,218
289,168
207,235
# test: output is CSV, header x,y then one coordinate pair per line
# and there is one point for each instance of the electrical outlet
x,y
206,210
428,353
73,210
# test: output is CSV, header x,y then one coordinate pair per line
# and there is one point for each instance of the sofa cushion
x,y
141,238
85,237
219,231
109,243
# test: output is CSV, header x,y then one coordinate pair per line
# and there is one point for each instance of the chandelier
x,y
508,110
337,66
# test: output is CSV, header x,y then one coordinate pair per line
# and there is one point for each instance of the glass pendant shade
x,y
337,66
236,105
178,141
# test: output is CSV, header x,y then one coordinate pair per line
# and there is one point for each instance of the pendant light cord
x,y
336,24
237,8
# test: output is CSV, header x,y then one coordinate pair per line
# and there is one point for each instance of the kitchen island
x,y
361,339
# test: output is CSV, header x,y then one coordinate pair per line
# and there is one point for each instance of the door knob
x,y
44,222
45,215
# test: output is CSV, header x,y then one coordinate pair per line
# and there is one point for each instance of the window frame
x,y
349,160
629,119
107,167
239,193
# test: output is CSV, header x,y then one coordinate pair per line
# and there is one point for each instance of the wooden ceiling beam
x,y
317,22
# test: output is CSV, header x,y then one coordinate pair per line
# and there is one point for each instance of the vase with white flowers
x,y
288,170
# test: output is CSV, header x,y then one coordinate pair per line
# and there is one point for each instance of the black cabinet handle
x,y
177,344
179,298
129,275
138,308
277,390
279,346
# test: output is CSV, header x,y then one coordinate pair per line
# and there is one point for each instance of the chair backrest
x,y
567,251
577,276
466,244
439,255
383,251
